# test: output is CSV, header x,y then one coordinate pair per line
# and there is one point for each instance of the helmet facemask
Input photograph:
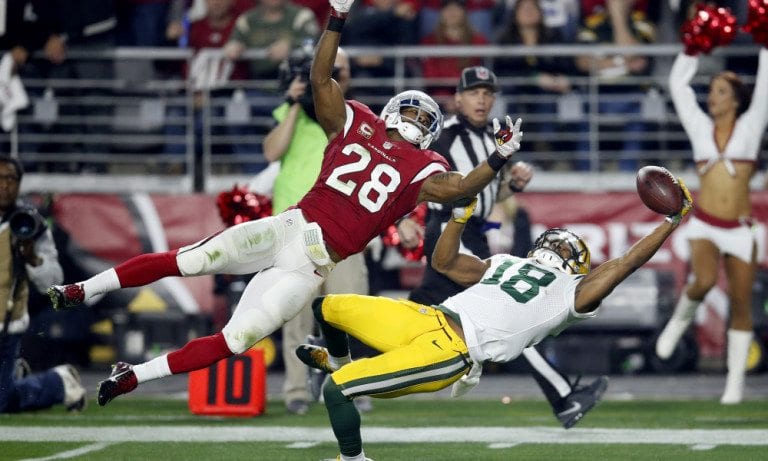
x,y
562,249
410,128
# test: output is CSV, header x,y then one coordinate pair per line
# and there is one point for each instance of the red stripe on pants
x,y
147,268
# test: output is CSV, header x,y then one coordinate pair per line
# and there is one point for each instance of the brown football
x,y
659,190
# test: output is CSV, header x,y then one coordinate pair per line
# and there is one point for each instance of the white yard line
x,y
72,453
513,435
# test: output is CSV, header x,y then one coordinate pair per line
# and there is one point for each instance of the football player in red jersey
x,y
375,170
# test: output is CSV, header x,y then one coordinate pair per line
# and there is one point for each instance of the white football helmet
x,y
412,130
563,250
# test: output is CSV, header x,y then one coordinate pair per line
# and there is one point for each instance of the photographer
x,y
27,254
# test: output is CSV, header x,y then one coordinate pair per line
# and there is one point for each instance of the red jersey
x,y
202,35
366,182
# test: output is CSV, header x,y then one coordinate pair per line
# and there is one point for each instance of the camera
x,y
26,223
297,65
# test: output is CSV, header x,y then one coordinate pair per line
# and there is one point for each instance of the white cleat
x,y
74,392
732,395
669,338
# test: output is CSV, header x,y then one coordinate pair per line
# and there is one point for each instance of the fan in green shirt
x,y
278,26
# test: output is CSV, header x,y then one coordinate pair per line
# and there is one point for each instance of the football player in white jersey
x,y
511,303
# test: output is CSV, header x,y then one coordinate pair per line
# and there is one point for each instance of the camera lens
x,y
25,225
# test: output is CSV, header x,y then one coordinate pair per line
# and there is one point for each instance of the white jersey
x,y
517,304
744,144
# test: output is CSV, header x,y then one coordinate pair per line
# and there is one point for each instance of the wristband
x,y
496,161
513,187
290,100
335,23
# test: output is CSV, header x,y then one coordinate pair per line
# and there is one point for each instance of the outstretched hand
x,y
462,211
687,204
520,175
507,139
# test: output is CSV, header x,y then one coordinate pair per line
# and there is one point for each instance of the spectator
x,y
542,79
212,31
27,257
22,32
480,14
87,25
142,22
382,24
279,26
453,28
321,8
559,15
183,12
618,22
22,36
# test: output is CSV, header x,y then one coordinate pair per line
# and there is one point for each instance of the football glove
x,y
687,204
463,211
507,139
342,6
468,381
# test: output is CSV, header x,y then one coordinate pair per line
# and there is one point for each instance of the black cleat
x,y
315,357
316,377
121,381
581,399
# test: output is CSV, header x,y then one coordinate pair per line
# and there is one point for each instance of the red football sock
x,y
147,268
199,353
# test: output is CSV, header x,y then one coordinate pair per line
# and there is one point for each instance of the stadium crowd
x,y
234,93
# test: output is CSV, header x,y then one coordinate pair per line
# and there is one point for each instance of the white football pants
x,y
286,278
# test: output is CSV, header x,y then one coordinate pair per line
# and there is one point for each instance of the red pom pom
x,y
708,28
238,205
757,21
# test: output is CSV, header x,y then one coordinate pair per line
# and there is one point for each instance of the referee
x,y
466,141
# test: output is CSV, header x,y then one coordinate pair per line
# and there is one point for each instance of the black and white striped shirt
x,y
466,146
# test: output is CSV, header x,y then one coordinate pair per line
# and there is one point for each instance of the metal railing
x,y
135,124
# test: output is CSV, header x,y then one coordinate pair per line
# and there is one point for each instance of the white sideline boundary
x,y
506,435
72,453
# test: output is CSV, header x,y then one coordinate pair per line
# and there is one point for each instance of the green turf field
x,y
404,429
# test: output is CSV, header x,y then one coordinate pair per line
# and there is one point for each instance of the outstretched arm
x,y
758,111
463,269
330,107
451,186
600,282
